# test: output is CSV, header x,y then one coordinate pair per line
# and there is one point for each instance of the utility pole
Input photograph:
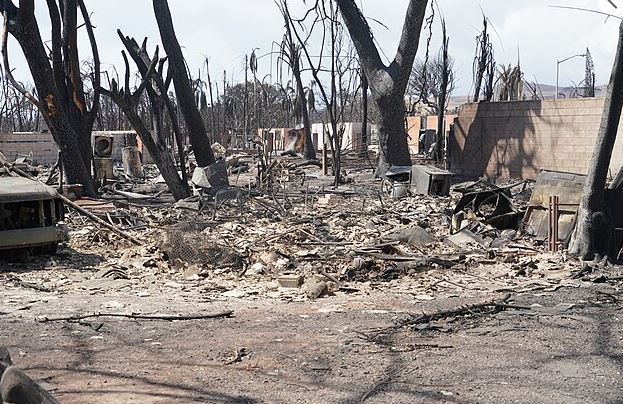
x,y
257,104
219,121
213,121
224,99
256,98
245,105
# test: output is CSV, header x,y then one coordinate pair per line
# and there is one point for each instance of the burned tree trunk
x,y
593,217
60,97
443,95
387,83
309,149
292,54
76,100
212,107
364,118
481,59
393,147
157,91
128,102
161,156
183,90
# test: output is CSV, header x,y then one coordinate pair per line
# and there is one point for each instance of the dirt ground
x,y
276,349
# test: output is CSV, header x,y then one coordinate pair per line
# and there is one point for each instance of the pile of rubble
x,y
310,239
282,229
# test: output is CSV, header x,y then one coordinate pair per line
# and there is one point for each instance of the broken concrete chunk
x,y
290,281
332,287
192,270
414,235
257,269
330,200
193,203
282,264
270,259
466,239
235,293
315,288
509,234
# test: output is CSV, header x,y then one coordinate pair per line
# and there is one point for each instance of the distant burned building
x,y
43,149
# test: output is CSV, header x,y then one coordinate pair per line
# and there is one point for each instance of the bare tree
x,y
335,63
291,55
110,116
288,101
433,81
60,93
593,232
17,113
447,78
128,102
510,83
589,75
387,82
183,90
427,82
484,64
213,111
160,103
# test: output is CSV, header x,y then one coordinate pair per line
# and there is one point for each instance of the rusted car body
x,y
30,213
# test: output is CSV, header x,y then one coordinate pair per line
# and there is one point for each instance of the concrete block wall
x,y
517,139
44,149
42,145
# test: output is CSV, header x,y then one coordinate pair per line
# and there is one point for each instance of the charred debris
x,y
253,215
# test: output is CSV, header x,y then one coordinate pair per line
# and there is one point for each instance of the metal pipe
x,y
557,77
553,228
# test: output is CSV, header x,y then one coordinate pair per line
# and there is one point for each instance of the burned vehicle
x,y
30,216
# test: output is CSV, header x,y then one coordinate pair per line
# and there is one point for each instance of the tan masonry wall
x,y
519,138
43,148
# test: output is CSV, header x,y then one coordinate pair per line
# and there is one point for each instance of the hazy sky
x,y
224,30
